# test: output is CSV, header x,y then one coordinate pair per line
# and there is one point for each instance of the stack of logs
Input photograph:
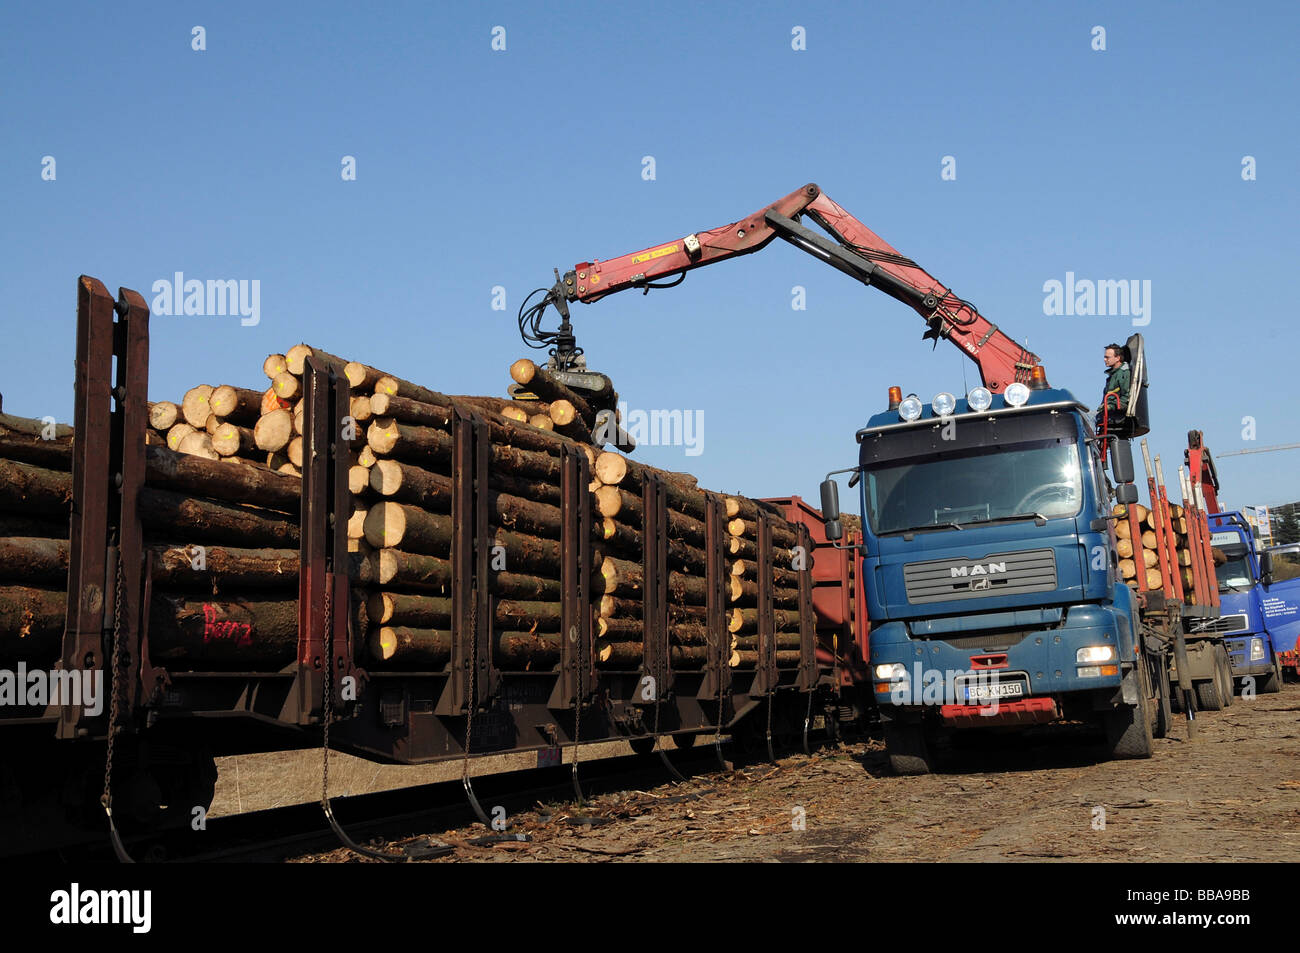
x,y
211,422
223,539
618,502
212,592
1145,551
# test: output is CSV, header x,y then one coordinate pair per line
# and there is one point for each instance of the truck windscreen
x,y
1235,573
974,485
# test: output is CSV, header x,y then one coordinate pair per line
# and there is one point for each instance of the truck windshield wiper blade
x,y
1038,518
922,529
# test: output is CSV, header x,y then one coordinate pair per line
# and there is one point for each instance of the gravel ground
x,y
1231,796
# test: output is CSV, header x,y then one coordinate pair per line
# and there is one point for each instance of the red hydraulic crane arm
x,y
855,250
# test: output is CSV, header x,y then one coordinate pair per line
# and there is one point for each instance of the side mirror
x,y
831,509
1121,463
1126,493
1266,568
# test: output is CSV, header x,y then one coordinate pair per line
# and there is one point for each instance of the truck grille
x,y
1224,623
1000,574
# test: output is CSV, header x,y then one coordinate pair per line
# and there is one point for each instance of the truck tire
x,y
908,750
1271,683
1128,730
1229,685
1207,694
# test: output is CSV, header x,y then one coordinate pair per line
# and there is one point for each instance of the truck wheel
x,y
1207,694
908,750
1229,686
1128,730
1271,683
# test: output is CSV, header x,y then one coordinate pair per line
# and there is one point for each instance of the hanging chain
x,y
328,703
473,685
114,708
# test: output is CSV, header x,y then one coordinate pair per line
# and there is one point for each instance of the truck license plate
x,y
983,693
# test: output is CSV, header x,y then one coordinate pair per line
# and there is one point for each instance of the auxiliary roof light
x,y
944,404
1017,394
895,397
979,399
909,408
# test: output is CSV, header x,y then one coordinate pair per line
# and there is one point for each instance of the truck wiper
x,y
922,529
1038,518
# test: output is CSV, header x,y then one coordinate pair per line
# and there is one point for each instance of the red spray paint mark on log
x,y
241,633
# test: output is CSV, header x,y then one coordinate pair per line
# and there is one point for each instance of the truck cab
x,y
990,572
1261,615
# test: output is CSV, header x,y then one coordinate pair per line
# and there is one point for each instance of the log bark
x,y
410,647
31,623
789,639
25,440
361,377
748,658
746,620
243,633
28,490
35,526
744,591
683,495
626,579
783,534
433,612
394,525
175,471
504,431
31,559
223,567
615,653
176,515
614,501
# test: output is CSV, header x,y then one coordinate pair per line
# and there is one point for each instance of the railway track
x,y
402,823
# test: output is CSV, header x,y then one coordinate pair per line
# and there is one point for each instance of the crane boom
x,y
851,248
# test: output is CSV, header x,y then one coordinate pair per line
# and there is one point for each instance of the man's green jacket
x,y
1117,384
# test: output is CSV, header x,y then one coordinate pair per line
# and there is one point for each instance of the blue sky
x,y
477,168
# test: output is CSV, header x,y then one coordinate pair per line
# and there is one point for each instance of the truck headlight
x,y
891,672
1095,653
1257,650
909,408
979,399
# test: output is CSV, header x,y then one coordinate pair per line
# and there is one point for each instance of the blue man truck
x,y
1260,618
991,566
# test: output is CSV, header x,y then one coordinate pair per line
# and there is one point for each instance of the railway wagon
x,y
128,662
